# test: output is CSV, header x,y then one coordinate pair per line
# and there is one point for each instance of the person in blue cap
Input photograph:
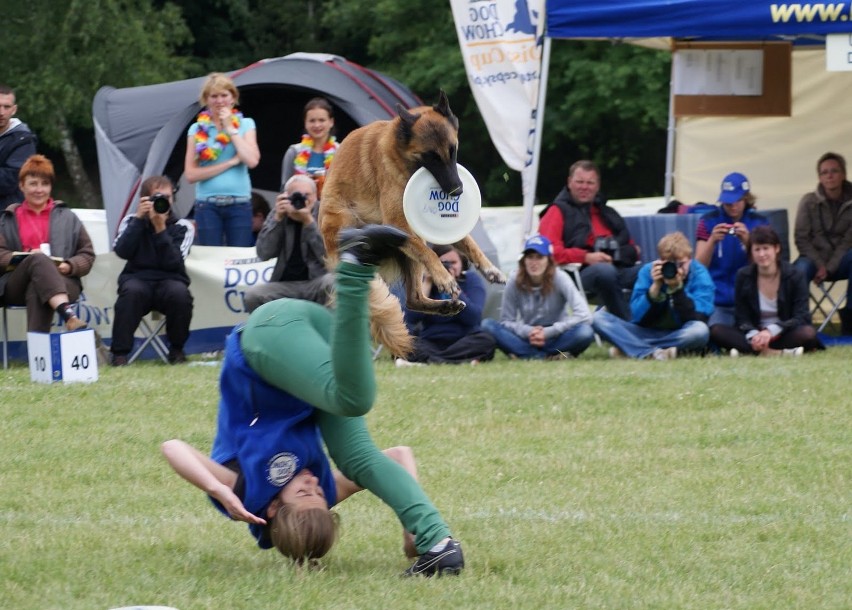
x,y
543,315
722,239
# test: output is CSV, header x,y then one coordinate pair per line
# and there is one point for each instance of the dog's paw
x,y
494,275
450,308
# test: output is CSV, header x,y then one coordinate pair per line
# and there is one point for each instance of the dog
x,y
365,184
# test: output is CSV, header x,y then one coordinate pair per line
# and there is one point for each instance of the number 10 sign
x,y
65,357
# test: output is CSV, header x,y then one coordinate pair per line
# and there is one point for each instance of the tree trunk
x,y
87,197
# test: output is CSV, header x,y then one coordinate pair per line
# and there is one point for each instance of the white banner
x,y
501,43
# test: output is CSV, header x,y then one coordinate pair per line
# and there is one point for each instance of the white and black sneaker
x,y
449,561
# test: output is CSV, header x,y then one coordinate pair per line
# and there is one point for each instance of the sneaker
x,y
664,353
119,360
371,244
176,356
402,362
448,561
75,323
795,352
614,352
734,353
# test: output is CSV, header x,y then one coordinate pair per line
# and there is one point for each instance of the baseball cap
x,y
735,186
538,243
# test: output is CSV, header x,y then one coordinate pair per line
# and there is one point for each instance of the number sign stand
x,y
66,357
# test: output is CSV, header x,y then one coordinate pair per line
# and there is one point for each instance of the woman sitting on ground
x,y
535,320
59,251
771,304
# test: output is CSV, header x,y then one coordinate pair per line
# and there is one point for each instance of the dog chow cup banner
x,y
501,42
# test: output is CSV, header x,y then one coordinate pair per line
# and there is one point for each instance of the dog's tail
x,y
387,325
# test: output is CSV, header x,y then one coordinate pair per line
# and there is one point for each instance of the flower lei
x,y
205,149
305,148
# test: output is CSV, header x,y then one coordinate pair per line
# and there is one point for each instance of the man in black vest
x,y
585,230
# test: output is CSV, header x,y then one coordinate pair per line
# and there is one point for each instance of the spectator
x,y
290,232
17,144
58,251
451,339
772,316
584,230
722,243
823,231
313,155
259,212
154,243
543,315
671,302
221,148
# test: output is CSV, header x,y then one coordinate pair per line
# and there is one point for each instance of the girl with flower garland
x,y
221,148
313,155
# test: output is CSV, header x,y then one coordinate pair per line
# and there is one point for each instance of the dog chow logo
x,y
281,468
442,204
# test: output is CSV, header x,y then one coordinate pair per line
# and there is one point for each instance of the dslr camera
x,y
669,270
160,203
298,200
608,245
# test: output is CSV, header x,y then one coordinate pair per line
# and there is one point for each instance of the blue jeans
x,y
609,282
844,272
573,341
640,342
223,225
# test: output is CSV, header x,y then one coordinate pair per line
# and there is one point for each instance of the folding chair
x,y
825,304
573,269
6,308
151,333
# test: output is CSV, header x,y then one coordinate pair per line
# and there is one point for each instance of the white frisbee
x,y
435,216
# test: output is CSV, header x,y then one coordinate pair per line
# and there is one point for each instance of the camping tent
x,y
778,154
141,131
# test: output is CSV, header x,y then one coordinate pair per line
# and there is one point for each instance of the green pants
x,y
325,359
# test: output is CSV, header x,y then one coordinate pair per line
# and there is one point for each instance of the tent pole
x,y
530,172
670,138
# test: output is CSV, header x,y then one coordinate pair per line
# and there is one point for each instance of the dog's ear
x,y
406,123
443,105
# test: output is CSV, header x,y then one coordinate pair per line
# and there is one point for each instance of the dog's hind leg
x,y
471,250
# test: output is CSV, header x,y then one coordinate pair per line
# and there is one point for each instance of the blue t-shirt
x,y
234,181
272,435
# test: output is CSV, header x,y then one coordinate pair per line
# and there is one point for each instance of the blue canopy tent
x,y
776,152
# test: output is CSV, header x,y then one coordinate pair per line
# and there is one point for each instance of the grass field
x,y
697,483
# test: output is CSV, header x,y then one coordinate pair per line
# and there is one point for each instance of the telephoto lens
x,y
161,203
669,270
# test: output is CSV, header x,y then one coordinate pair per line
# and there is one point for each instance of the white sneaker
x,y
665,353
402,362
614,352
734,353
795,352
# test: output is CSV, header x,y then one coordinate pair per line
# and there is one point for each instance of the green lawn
x,y
697,483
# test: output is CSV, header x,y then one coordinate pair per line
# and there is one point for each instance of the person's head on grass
x,y
301,526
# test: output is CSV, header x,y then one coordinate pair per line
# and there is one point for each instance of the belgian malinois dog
x,y
365,185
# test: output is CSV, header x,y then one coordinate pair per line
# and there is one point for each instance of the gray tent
x,y
141,131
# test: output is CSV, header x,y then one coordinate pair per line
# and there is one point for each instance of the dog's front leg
x,y
471,250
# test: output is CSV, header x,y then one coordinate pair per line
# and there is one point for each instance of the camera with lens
x,y
732,230
298,200
160,203
669,270
608,245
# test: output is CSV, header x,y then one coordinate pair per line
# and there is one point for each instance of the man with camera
x,y
671,302
290,233
585,230
154,242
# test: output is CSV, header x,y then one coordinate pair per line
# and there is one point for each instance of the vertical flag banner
x,y
501,43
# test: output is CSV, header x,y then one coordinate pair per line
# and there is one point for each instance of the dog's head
x,y
430,137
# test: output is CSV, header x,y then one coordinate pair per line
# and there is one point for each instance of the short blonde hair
x,y
303,535
216,81
674,246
